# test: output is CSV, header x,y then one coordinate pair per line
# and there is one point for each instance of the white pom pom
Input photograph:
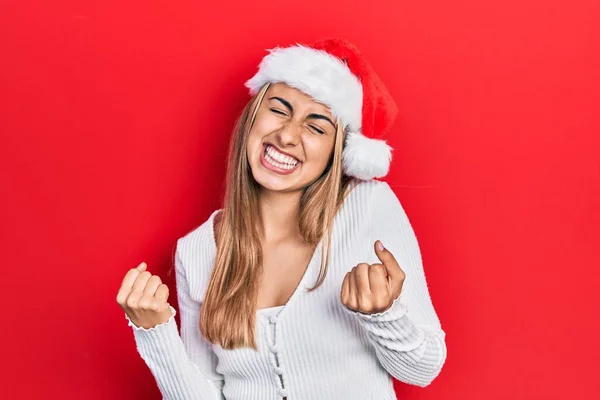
x,y
366,158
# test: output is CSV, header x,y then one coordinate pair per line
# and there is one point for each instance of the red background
x,y
115,119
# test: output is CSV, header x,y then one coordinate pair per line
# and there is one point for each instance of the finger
x,y
127,283
140,283
162,293
352,299
152,285
148,300
132,300
379,280
389,261
345,292
362,279
131,276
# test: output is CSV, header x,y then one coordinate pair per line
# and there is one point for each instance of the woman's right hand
x,y
144,297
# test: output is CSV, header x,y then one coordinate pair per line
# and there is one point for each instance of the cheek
x,y
319,149
261,128
264,123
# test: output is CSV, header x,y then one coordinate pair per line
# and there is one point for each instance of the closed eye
x,y
276,111
317,129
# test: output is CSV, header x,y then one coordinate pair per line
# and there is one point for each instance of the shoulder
x,y
196,253
376,200
372,192
198,239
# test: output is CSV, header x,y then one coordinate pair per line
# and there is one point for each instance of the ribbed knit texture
x,y
314,348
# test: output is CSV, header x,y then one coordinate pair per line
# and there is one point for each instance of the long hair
x,y
229,307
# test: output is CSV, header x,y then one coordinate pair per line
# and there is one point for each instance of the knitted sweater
x,y
312,348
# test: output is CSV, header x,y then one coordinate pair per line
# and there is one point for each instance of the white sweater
x,y
313,348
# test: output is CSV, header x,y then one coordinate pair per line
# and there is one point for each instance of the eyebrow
x,y
312,115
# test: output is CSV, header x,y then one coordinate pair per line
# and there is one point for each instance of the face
x,y
291,141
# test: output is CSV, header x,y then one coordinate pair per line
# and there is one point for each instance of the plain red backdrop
x,y
115,119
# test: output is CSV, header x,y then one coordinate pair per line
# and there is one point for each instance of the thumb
x,y
388,260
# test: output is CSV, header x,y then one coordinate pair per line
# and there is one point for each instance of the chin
x,y
274,183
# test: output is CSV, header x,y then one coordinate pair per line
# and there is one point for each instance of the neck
x,y
280,212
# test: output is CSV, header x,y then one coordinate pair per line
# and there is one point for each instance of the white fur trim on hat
x,y
366,158
317,73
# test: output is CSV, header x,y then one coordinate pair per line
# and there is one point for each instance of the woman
x,y
259,319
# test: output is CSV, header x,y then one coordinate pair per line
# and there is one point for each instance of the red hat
x,y
335,73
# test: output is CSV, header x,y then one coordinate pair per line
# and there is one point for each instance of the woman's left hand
x,y
373,288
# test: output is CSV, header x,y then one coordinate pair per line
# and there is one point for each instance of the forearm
x,y
177,376
410,353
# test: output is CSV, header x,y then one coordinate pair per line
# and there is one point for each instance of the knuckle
x,y
132,303
145,274
144,303
381,302
364,303
378,269
121,299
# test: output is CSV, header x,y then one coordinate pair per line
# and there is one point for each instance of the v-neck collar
x,y
308,273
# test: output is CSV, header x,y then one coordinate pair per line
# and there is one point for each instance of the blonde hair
x,y
229,307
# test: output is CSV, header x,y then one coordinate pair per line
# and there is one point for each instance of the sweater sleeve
x,y
407,337
184,367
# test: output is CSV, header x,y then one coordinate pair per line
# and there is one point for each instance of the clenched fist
x,y
371,289
143,297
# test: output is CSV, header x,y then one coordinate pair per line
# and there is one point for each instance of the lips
x,y
275,168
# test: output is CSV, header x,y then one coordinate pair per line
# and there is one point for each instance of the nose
x,y
290,134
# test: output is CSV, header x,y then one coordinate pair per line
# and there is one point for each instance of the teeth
x,y
280,157
271,156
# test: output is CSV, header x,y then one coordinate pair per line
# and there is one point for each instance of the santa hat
x,y
335,73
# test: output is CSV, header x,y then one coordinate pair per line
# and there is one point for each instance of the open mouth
x,y
278,160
